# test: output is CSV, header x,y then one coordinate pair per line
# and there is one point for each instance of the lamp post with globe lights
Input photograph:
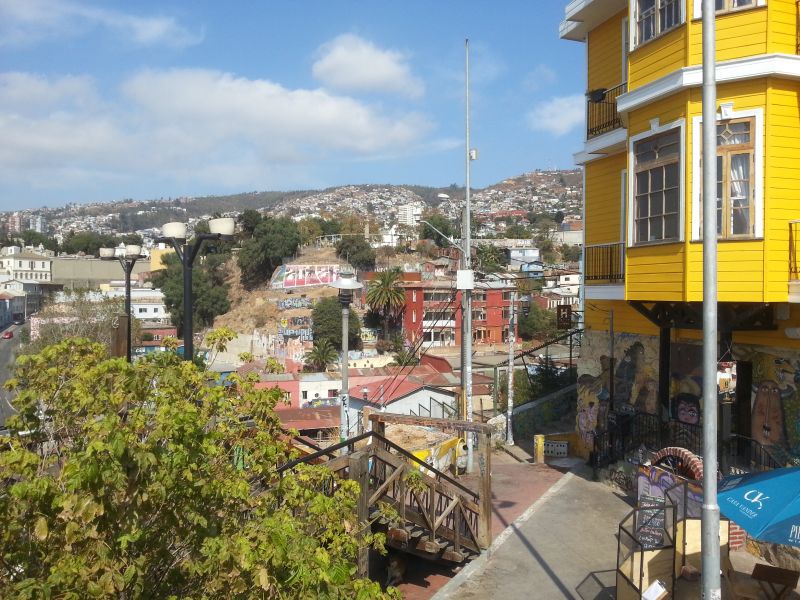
x,y
346,284
133,252
175,233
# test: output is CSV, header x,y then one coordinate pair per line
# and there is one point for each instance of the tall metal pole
x,y
511,340
710,515
127,265
187,257
343,432
466,367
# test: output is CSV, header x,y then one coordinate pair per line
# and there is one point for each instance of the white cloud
x,y
351,63
539,77
31,21
196,125
558,115
25,93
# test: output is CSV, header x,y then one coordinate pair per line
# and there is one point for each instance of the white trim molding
x,y
698,8
679,124
784,66
601,146
604,292
758,197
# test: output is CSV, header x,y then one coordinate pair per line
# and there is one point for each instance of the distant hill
x,y
378,200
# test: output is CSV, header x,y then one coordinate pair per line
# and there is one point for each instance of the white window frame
x,y
757,114
623,188
656,129
633,29
698,8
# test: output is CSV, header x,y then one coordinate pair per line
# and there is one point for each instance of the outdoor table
x,y
775,582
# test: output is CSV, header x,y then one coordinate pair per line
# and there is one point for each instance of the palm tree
x,y
321,355
405,358
386,297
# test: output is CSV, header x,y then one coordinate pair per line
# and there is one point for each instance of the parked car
x,y
8,335
19,321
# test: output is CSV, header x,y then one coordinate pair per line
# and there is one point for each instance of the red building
x,y
433,312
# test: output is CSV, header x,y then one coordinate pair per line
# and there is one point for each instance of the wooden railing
x,y
604,262
432,514
601,110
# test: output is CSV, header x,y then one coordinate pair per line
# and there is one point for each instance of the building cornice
x,y
784,66
601,146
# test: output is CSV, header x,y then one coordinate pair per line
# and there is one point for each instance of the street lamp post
x,y
346,284
133,252
175,234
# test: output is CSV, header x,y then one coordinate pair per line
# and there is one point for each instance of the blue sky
x,y
104,100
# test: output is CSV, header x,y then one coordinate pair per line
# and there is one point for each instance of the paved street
x,y
566,548
7,350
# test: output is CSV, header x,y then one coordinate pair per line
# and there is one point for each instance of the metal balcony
x,y
601,110
604,262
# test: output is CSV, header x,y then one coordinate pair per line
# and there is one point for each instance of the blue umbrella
x,y
766,505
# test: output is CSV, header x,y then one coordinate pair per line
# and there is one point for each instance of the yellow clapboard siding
x,y
657,58
605,53
604,199
626,318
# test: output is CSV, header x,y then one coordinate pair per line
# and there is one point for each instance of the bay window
x,y
657,193
654,17
735,181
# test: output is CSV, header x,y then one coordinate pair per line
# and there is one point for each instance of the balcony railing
x,y
794,246
604,262
601,110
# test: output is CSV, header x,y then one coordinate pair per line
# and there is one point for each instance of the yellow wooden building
x,y
643,248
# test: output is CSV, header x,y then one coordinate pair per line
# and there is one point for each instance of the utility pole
x,y
710,516
511,340
466,278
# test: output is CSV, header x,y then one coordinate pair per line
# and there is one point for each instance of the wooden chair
x,y
740,585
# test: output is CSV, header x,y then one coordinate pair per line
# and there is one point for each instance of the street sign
x,y
564,316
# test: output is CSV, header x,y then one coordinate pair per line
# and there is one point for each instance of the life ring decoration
x,y
680,461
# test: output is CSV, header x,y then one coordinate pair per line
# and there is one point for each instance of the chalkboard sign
x,y
650,538
651,521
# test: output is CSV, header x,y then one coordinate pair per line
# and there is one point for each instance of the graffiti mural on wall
x,y
635,379
290,303
775,406
295,276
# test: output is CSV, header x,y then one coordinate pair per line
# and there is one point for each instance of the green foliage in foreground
x,y
142,481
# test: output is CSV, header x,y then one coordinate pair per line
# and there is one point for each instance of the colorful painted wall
x,y
774,403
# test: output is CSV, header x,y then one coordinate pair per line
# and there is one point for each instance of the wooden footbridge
x,y
437,517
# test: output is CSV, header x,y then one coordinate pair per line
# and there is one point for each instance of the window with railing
x,y
605,262
601,110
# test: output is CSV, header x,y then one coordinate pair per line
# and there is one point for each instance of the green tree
x,y
79,316
405,358
310,230
142,481
538,324
87,242
209,290
248,222
440,222
321,355
327,319
517,232
272,241
570,253
356,250
386,296
131,238
34,238
524,392
491,259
